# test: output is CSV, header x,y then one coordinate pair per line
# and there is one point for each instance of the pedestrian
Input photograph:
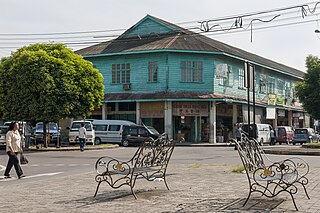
x,y
27,135
82,137
13,148
272,136
238,132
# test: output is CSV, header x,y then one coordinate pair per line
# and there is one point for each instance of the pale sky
x,y
288,45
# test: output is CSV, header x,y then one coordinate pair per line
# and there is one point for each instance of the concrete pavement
x,y
193,188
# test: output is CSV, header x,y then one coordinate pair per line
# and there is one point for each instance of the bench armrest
x,y
108,166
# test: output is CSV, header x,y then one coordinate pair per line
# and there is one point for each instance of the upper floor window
x,y
241,78
280,86
271,85
120,73
191,71
262,84
153,71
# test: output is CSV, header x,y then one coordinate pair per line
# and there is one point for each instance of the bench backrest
x,y
250,153
154,153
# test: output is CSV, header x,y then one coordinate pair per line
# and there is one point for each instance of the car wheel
x,y
97,141
125,143
293,143
280,143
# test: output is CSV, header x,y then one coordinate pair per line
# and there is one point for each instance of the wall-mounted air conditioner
x,y
126,86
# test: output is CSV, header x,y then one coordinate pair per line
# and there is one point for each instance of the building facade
x,y
189,85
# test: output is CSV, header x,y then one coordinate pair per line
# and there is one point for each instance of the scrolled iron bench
x,y
150,161
270,180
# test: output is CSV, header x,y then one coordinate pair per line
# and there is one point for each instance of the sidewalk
x,y
201,188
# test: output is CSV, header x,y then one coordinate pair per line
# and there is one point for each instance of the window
x,y
153,71
271,85
280,87
142,131
120,73
133,131
262,84
241,78
114,127
228,79
191,71
100,127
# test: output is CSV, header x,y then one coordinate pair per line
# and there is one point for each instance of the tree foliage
x,y
48,82
308,91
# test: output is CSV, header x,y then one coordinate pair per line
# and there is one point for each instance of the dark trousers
x,y
13,161
82,142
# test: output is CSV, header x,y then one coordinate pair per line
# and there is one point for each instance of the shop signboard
x,y
272,98
152,110
281,113
190,109
221,70
280,100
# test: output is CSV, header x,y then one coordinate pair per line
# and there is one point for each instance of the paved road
x,y
200,180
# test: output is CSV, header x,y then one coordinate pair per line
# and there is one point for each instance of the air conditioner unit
x,y
126,86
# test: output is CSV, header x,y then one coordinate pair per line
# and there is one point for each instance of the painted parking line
x,y
2,168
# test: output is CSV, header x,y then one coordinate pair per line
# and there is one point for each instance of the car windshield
x,y
301,131
53,127
76,126
153,130
3,130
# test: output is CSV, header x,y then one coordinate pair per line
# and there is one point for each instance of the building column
x,y
234,114
290,118
168,118
213,122
275,121
138,118
104,111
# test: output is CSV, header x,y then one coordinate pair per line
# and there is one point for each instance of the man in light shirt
x,y
82,137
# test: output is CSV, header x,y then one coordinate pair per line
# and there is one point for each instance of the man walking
x,y
82,137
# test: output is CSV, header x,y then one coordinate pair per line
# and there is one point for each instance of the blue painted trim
x,y
190,51
227,100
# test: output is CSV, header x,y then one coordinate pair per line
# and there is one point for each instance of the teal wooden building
x,y
187,84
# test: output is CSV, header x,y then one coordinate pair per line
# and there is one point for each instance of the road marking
x,y
2,168
44,174
31,176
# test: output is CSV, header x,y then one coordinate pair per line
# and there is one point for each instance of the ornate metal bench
x,y
270,180
150,162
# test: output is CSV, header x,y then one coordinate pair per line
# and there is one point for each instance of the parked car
x,y
3,132
109,131
74,131
261,132
284,134
304,135
51,129
136,134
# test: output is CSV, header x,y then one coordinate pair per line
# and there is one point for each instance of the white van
x,y
109,131
74,131
263,133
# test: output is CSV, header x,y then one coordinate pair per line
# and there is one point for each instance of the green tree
x,y
48,82
308,90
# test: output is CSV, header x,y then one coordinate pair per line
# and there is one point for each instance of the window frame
x,y
192,71
153,71
120,73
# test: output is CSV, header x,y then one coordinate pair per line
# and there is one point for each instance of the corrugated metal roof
x,y
181,39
